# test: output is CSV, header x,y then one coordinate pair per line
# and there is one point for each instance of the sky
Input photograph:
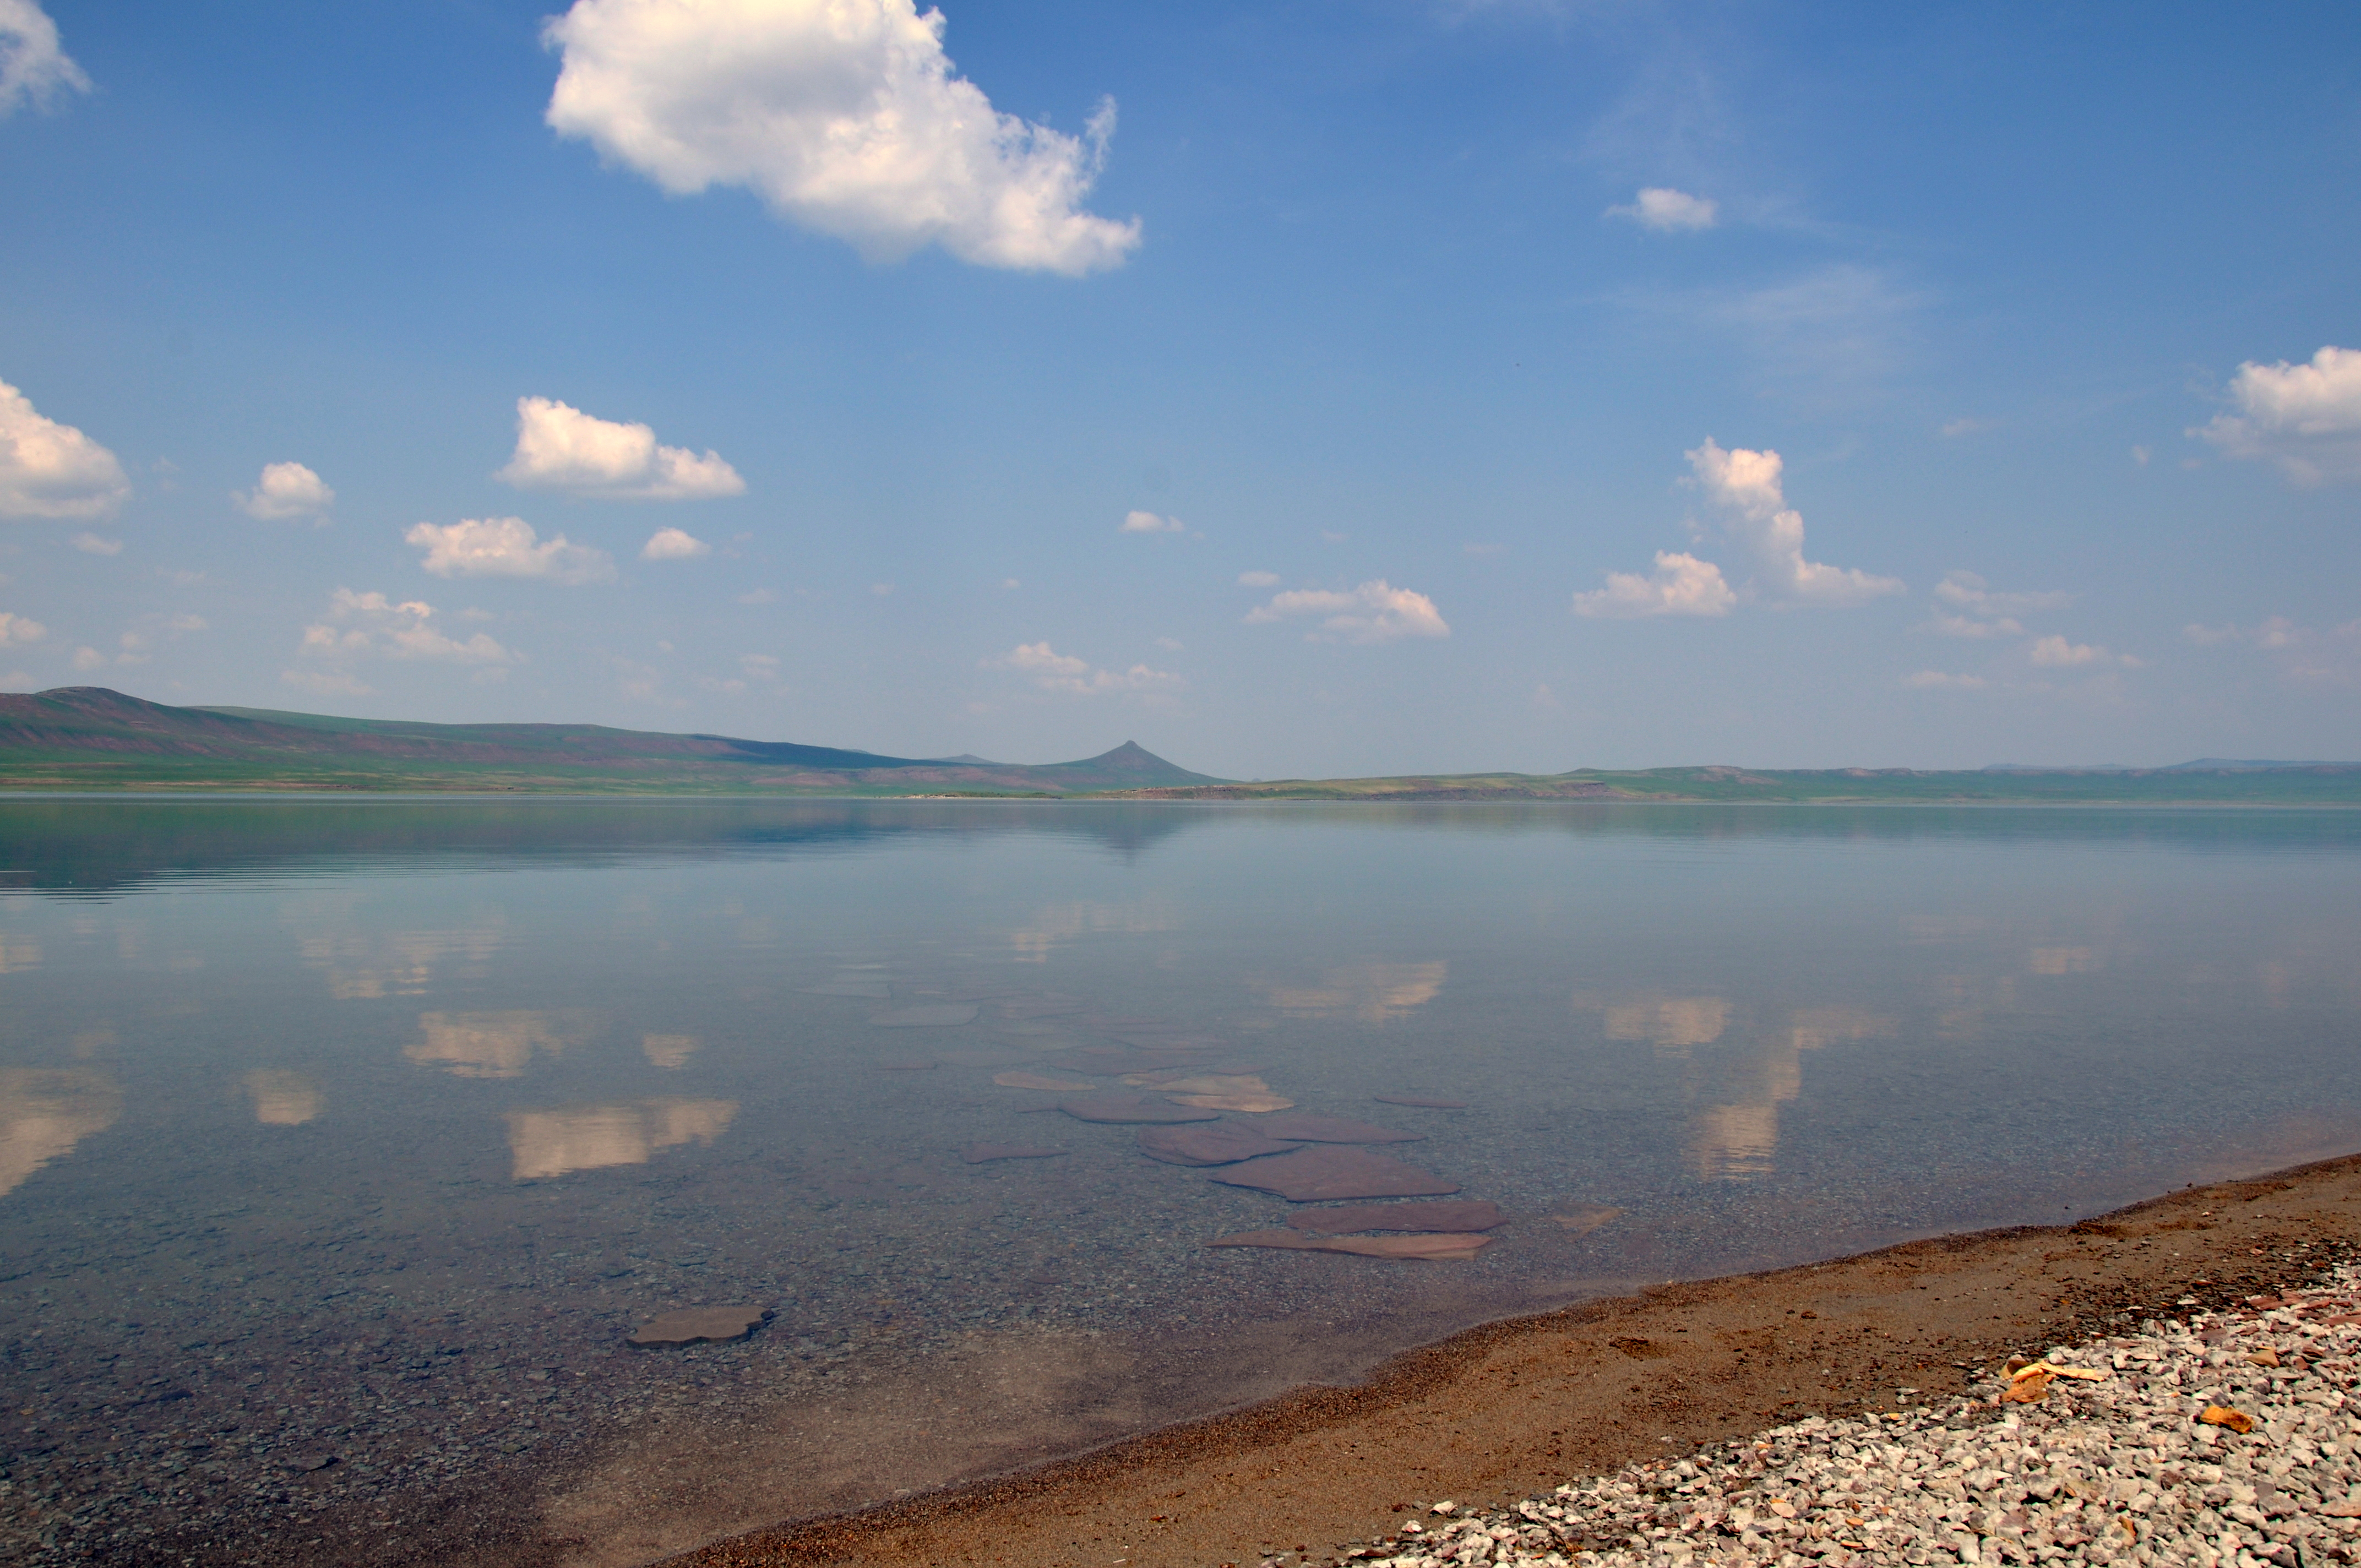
x,y
1306,387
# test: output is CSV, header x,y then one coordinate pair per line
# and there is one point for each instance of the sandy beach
x,y
1516,1408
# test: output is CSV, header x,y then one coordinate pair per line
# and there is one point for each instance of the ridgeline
x,y
89,737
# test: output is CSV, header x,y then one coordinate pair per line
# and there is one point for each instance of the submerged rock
x,y
1584,1218
1224,1144
1038,1081
1467,1214
1431,1248
1335,1130
1308,1174
697,1325
1127,1108
980,1153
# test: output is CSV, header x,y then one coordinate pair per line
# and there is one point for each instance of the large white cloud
x,y
32,67
506,547
1681,584
284,491
1055,671
1746,489
370,625
559,447
2305,417
844,115
1668,211
20,628
48,469
1375,611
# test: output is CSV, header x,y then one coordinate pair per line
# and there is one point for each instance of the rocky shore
x,y
2217,1441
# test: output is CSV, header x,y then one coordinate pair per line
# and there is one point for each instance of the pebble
x,y
2118,1470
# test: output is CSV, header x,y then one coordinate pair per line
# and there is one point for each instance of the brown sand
x,y
1518,1407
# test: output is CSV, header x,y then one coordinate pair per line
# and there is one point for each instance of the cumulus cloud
x,y
1055,671
1668,211
1746,489
370,625
284,491
33,69
90,543
559,447
20,628
2305,417
1375,611
48,469
1257,579
845,116
1681,584
674,545
506,547
1148,522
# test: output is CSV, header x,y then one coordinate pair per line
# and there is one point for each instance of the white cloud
x,y
674,545
1257,579
88,658
2300,653
1938,680
1148,522
559,447
1746,487
90,543
2305,417
188,623
284,491
1055,671
1967,592
506,547
1681,584
32,67
844,117
1375,611
1668,211
20,628
2057,653
370,625
326,682
48,469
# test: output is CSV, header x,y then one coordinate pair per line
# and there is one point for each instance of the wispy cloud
x,y
1374,611
1055,672
2300,653
34,69
1681,584
1667,210
372,626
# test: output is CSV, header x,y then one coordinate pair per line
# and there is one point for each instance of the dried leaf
x,y
2028,1385
2266,1356
2224,1416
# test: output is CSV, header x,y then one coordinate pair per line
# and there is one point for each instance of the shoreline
x,y
1515,1407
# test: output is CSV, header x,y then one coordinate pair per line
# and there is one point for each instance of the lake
x,y
343,1143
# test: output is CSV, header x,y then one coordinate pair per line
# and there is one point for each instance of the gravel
x,y
2119,1469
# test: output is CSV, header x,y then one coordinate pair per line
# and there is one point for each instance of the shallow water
x,y
341,1143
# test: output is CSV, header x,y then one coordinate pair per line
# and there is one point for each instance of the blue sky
x,y
1298,389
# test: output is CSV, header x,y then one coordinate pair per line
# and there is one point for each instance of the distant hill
x,y
90,737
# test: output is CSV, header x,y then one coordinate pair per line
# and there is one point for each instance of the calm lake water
x,y
341,1143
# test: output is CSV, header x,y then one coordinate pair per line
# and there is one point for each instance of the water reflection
x,y
1062,922
2062,961
590,1137
1372,992
15,953
491,1045
44,1111
1670,1023
1737,1139
364,966
668,1050
282,1098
